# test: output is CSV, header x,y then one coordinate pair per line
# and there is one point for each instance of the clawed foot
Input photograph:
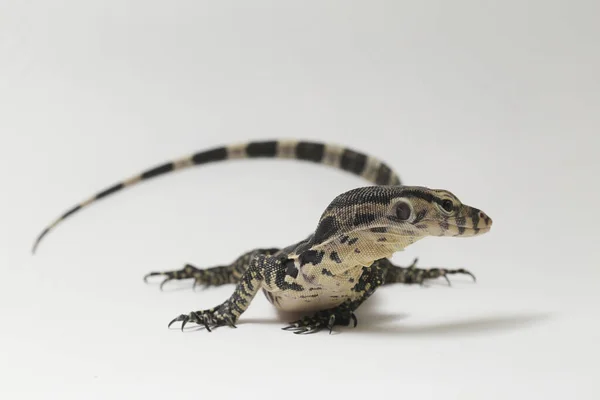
x,y
419,275
323,319
200,276
210,319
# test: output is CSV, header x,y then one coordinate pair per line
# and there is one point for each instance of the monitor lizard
x,y
330,273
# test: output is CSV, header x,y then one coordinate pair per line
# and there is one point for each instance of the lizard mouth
x,y
469,231
447,228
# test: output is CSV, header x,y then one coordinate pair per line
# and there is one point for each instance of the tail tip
x,y
38,240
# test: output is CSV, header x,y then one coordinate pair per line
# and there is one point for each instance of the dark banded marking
x,y
461,220
310,151
311,257
110,190
279,280
235,305
161,169
290,269
353,161
362,219
242,289
39,239
384,173
326,229
428,197
306,296
379,229
364,195
334,256
262,149
475,218
203,157
71,211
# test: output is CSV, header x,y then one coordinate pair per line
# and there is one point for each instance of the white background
x,y
495,101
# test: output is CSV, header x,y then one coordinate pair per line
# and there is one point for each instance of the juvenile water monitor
x,y
329,274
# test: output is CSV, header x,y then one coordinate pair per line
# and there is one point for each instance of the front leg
x,y
411,274
229,311
371,278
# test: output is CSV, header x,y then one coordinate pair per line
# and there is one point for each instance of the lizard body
x,y
339,265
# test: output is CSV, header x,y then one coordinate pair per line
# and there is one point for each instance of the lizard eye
x,y
447,205
403,211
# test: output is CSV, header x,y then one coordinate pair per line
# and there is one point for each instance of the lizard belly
x,y
302,302
319,291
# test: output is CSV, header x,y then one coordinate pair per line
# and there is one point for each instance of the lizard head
x,y
376,221
436,212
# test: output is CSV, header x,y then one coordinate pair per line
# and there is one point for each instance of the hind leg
x,y
414,275
213,276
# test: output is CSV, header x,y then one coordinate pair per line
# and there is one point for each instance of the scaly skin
x,y
343,262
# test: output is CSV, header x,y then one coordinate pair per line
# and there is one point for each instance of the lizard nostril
x,y
483,216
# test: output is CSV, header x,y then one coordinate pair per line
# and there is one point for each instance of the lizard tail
x,y
370,168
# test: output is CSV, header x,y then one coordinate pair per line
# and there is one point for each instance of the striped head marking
x,y
394,217
437,212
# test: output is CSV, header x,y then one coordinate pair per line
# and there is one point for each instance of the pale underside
x,y
321,290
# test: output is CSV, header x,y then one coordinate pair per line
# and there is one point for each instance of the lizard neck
x,y
356,250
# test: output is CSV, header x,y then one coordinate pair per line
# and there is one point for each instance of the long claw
x,y
206,325
148,275
185,321
290,327
230,322
447,279
470,274
324,319
209,318
308,330
163,283
179,318
331,323
297,329
354,319
463,271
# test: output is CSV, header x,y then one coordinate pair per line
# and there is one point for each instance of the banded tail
x,y
370,168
